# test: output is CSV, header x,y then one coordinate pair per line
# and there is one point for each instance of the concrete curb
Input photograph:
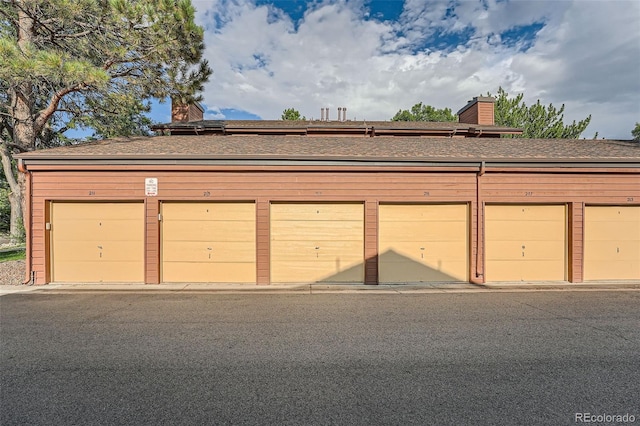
x,y
319,288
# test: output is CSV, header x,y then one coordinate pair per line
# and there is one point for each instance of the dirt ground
x,y
4,241
12,272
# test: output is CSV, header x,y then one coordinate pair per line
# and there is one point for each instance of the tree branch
x,y
44,115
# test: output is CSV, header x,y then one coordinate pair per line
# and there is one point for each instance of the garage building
x,y
261,202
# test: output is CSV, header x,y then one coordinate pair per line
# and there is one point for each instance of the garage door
x,y
423,243
209,242
612,243
97,242
525,243
317,242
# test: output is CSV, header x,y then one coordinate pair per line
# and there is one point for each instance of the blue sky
x,y
378,56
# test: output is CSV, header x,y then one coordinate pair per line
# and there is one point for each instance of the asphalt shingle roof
x,y
396,148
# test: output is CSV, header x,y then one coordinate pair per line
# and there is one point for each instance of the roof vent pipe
x,y
327,116
321,114
339,113
344,113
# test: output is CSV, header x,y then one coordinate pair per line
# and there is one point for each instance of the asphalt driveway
x,y
456,358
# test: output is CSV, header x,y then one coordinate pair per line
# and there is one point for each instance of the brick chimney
x,y
182,113
479,110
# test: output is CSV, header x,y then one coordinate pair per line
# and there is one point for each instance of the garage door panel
x,y
351,248
445,250
426,231
208,242
74,250
324,257
423,243
408,272
104,211
79,229
443,213
612,243
535,250
209,231
525,243
321,271
540,270
337,230
210,211
316,212
515,213
614,250
534,230
91,271
317,230
193,251
97,242
615,214
604,230
220,272
625,269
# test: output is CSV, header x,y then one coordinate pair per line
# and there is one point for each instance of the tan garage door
x,y
423,243
209,242
525,243
97,242
612,243
317,242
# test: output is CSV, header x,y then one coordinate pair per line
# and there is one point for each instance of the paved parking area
x,y
536,357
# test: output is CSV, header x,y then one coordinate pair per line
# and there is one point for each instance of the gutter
x,y
479,269
167,158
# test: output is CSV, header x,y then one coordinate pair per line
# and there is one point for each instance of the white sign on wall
x,y
151,187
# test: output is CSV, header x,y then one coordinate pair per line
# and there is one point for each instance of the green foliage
x,y
636,133
7,256
536,121
98,62
91,64
5,208
292,114
421,112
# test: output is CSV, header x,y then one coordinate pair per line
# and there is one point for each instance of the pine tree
x,y
89,63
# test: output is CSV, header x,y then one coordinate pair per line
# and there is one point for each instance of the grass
x,y
12,254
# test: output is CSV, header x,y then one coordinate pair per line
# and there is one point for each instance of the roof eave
x,y
177,159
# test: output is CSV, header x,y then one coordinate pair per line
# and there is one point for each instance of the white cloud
x,y
587,56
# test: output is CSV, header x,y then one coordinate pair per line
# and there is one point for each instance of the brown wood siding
x,y
152,241
560,188
469,116
576,242
326,184
371,242
262,242
440,187
41,254
476,262
185,112
480,112
485,113
195,113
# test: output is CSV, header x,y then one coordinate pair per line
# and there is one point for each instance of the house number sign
x,y
151,187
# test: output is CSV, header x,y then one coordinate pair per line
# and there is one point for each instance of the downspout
x,y
479,270
29,274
